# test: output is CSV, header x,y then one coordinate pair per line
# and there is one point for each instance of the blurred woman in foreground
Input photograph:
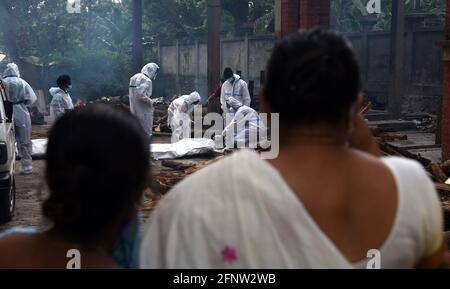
x,y
97,170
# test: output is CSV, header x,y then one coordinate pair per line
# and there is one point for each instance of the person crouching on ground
x,y
179,115
246,128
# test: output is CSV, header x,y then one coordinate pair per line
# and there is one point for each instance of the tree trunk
x,y
137,35
397,58
213,48
11,33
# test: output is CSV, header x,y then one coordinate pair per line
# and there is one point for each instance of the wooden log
x,y
179,165
366,108
165,180
201,165
396,151
437,172
445,165
443,187
389,136
376,130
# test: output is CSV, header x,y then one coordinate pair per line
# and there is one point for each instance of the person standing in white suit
x,y
20,94
235,87
141,90
61,101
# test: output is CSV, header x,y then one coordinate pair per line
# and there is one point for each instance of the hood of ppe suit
x,y
150,70
236,77
55,90
193,97
11,70
234,103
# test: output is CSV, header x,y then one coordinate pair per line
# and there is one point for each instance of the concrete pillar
x,y
445,103
397,58
197,64
247,57
314,13
213,46
305,14
278,18
177,75
137,35
289,13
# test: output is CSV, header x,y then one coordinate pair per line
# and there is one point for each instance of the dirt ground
x,y
28,198
30,190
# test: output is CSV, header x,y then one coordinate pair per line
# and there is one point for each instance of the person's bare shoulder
x,y
374,178
12,248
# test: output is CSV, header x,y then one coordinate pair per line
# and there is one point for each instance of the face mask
x,y
231,79
126,249
69,87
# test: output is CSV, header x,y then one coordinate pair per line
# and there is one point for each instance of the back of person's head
x,y
233,103
313,77
151,70
63,81
97,169
227,73
193,98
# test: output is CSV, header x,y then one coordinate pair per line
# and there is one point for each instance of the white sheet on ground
x,y
39,147
185,147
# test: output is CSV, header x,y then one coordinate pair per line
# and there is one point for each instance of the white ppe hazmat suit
x,y
141,88
20,94
246,128
238,89
61,102
178,116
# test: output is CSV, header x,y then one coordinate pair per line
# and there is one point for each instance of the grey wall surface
x,y
184,65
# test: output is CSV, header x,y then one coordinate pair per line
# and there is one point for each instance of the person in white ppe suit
x,y
61,101
178,117
141,89
20,94
235,87
246,128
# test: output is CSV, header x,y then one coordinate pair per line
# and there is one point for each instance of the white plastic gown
x,y
61,102
179,116
246,128
20,93
141,88
238,89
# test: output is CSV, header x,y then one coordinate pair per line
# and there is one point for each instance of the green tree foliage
x,y
95,46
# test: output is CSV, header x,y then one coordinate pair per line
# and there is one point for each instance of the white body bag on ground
x,y
39,147
185,147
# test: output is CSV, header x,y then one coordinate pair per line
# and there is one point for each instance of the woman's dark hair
x,y
63,81
227,73
98,164
312,77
